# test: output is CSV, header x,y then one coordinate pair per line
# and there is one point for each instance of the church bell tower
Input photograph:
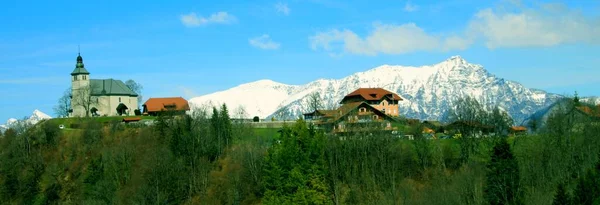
x,y
80,81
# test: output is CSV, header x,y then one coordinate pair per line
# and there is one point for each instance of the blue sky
x,y
191,48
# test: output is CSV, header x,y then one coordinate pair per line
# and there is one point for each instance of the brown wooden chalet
x,y
379,98
364,110
318,114
356,117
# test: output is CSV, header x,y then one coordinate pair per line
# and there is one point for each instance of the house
x,y
591,112
318,114
379,98
518,130
437,126
94,97
154,106
356,117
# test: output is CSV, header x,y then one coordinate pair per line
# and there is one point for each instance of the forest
x,y
208,158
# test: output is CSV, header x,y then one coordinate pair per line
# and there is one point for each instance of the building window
x,y
119,99
384,110
74,77
362,109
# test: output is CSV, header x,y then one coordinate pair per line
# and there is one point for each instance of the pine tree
x,y
226,126
503,176
587,190
561,197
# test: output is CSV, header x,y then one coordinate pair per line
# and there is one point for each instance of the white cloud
x,y
193,20
264,42
549,25
387,39
546,25
282,8
408,7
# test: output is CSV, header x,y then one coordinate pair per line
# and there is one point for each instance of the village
x,y
364,110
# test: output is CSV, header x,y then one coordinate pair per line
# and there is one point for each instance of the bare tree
x,y
314,102
137,88
83,97
62,109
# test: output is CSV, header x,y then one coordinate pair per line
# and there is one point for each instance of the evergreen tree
x,y
503,176
587,190
561,197
295,169
226,126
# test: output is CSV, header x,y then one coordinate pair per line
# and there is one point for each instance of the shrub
x,y
137,112
255,119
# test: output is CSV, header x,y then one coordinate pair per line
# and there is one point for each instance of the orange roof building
x,y
379,98
156,105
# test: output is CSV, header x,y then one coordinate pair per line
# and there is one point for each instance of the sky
x,y
192,48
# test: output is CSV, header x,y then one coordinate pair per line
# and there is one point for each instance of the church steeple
x,y
79,67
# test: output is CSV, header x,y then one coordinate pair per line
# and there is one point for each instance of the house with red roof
x,y
364,110
154,106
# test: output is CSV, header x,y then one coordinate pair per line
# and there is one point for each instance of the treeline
x,y
207,158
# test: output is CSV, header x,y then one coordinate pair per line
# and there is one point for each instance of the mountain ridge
x,y
33,119
429,91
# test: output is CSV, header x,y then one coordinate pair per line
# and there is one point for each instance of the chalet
x,y
379,98
154,106
592,113
319,114
356,117
518,130
437,126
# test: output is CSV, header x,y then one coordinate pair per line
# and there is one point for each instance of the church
x,y
99,97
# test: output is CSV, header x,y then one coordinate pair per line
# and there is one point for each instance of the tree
x,y
503,176
63,108
314,102
83,97
500,120
469,113
137,88
256,119
561,197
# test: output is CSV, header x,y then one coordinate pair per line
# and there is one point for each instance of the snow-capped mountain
x,y
35,117
428,91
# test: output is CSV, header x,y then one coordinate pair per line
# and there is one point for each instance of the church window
x,y
74,77
119,99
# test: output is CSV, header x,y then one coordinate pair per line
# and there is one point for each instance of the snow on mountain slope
x,y
34,118
260,98
428,91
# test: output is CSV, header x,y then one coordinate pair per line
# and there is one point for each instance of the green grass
x,y
76,120
266,133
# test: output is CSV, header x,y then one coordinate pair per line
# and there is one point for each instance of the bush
x,y
255,119
137,112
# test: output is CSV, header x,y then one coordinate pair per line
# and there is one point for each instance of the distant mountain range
x,y
428,92
35,117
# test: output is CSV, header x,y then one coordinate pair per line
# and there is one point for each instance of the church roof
x,y
79,67
110,87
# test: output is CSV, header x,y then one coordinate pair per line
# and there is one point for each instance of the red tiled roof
x,y
518,128
160,104
589,111
373,94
